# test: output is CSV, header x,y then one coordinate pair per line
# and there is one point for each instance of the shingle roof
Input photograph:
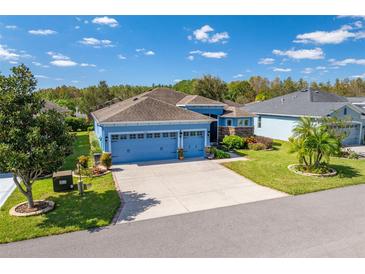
x,y
231,112
146,109
48,105
359,99
198,100
232,104
300,103
166,95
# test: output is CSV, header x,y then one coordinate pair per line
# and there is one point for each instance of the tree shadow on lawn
x,y
81,212
346,171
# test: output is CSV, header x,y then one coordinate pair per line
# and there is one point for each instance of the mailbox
x,y
62,181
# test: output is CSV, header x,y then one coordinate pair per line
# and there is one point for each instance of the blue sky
x,y
81,50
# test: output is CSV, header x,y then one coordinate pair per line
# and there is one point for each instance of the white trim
x,y
138,132
141,123
286,115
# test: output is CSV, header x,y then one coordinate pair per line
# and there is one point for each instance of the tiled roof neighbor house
x,y
276,117
155,124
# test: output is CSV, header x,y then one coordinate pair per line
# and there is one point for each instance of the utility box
x,y
63,181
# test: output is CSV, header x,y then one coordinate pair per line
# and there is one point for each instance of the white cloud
x,y
203,34
348,61
121,57
208,54
8,54
102,70
42,32
307,70
145,52
13,62
239,75
75,81
77,27
282,69
40,65
190,57
313,54
57,56
96,43
107,21
321,68
87,65
39,76
63,63
177,80
11,27
266,61
359,76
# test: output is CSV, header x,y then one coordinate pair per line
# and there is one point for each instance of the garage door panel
x,y
193,144
144,147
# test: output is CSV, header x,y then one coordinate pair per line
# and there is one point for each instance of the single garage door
x,y
193,144
139,147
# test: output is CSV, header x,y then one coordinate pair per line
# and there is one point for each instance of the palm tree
x,y
304,128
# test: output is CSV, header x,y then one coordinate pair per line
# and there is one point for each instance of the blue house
x,y
276,117
155,124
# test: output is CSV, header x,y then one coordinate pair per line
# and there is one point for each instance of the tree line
x,y
256,88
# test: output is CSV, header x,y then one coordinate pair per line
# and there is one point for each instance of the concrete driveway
x,y
158,189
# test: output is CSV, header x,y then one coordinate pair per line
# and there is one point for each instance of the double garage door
x,y
139,147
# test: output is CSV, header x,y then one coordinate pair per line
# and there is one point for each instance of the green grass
x,y
72,212
81,147
269,168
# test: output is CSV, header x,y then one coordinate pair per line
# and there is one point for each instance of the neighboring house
x,y
48,105
276,117
155,124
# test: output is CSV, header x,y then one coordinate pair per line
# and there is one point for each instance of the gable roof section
x,y
197,100
300,103
232,112
166,95
146,109
48,105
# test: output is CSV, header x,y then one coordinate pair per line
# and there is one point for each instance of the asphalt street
x,y
323,224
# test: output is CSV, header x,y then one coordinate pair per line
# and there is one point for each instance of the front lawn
x,y
73,212
269,168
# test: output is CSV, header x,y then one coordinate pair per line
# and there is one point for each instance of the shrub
x,y
94,143
219,154
83,161
77,124
233,142
256,146
90,128
268,142
106,160
251,140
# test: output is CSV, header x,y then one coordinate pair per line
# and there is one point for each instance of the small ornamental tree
x,y
32,141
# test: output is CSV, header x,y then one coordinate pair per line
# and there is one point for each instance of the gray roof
x,y
166,95
198,100
48,105
145,109
232,104
231,112
359,99
300,103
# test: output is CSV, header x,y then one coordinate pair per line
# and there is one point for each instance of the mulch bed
x,y
38,205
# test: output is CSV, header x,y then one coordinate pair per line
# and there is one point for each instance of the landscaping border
x,y
332,172
50,207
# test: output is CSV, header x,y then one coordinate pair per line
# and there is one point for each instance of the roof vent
x,y
282,100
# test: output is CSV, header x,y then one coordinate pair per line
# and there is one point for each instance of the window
x,y
246,124
186,133
229,122
123,137
157,135
192,133
149,135
115,137
259,122
140,136
132,136
345,111
172,134
240,122
165,135
199,133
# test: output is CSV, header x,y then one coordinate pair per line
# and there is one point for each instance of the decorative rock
x,y
292,167
50,207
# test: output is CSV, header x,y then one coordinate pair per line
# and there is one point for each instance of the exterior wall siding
x,y
149,128
276,127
